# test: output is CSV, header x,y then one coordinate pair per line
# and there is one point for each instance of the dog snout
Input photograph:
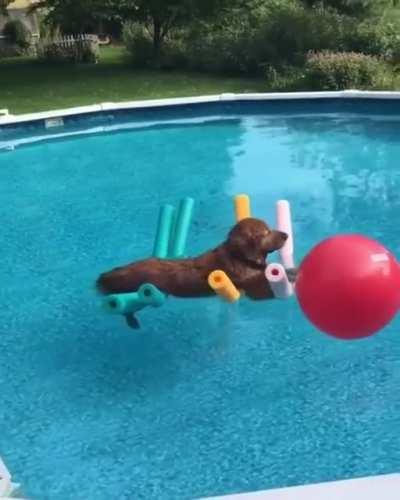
x,y
279,239
283,236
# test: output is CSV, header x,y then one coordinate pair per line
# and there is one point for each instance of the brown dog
x,y
242,256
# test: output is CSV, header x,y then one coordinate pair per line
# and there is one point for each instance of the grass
x,y
27,86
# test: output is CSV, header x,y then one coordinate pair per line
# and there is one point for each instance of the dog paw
x,y
132,321
292,274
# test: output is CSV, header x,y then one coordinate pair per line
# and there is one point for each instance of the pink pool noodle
x,y
278,280
284,223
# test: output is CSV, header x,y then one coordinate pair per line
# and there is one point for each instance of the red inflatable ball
x,y
349,286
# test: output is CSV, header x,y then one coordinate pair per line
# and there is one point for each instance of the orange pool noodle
x,y
242,207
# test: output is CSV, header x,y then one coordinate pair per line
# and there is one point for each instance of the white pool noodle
x,y
278,280
6,486
284,223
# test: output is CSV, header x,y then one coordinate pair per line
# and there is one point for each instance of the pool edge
x,y
8,119
360,488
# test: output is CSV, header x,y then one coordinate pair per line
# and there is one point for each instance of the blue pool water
x,y
206,399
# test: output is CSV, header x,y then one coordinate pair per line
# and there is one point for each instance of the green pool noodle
x,y
170,242
123,303
182,228
150,295
164,228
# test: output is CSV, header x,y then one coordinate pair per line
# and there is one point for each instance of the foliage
x,y
285,79
352,7
281,33
78,51
160,17
379,39
72,16
292,31
276,34
17,34
174,54
228,48
138,43
337,71
3,6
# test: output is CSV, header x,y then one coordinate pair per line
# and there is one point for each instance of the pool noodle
x,y
150,295
284,223
164,229
123,303
242,207
182,228
278,280
222,285
7,487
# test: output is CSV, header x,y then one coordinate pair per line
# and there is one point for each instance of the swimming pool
x,y
206,399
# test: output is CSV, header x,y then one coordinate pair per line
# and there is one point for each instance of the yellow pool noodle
x,y
223,286
242,207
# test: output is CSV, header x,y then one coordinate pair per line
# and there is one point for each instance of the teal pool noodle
x,y
150,295
172,235
183,220
164,228
123,303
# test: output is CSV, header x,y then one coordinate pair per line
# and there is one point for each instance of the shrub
x,y
291,31
281,35
139,44
368,38
377,39
338,71
17,34
8,50
228,50
72,51
286,79
173,54
393,50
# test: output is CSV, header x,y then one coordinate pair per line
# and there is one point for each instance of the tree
x,y
163,16
3,6
72,16
159,16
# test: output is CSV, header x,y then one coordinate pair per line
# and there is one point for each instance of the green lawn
x,y
26,86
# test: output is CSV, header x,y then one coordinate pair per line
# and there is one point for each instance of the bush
x,y
69,51
286,79
228,49
377,39
291,31
279,36
17,34
366,38
8,50
338,71
139,44
173,54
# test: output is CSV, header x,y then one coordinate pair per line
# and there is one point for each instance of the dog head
x,y
252,240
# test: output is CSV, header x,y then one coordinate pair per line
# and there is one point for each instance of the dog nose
x,y
284,235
